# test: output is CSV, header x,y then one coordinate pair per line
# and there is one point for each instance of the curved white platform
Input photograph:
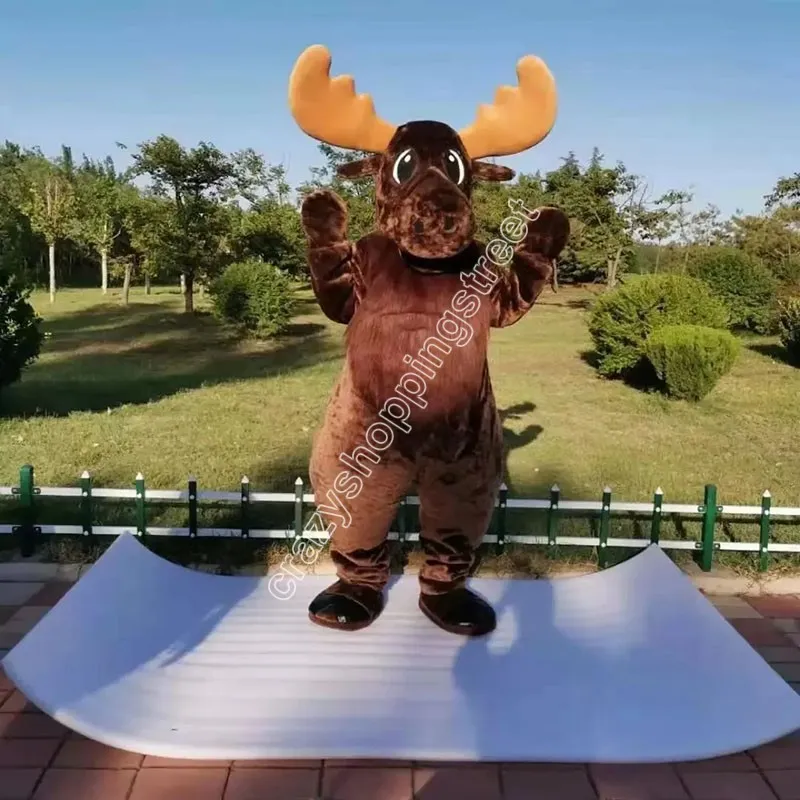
x,y
629,665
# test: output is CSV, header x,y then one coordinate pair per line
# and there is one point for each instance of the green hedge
x,y
748,288
621,321
689,360
254,296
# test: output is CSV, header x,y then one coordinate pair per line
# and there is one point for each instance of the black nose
x,y
449,224
419,228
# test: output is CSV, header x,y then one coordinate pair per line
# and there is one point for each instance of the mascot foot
x,y
460,611
346,606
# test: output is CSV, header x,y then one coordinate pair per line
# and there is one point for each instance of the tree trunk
x,y
52,258
147,284
104,270
188,295
554,277
613,269
126,284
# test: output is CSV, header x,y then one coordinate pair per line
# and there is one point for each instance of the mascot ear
x,y
484,171
362,168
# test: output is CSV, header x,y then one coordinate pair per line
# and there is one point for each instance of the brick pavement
x,y
41,760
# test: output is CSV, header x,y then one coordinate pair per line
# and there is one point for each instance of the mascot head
x,y
423,170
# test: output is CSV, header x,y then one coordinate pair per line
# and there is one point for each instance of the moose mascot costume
x,y
414,406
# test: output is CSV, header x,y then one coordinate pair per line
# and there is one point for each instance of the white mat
x,y
629,665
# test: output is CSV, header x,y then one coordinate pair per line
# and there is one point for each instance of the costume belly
x,y
439,380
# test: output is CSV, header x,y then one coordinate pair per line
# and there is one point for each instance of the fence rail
x,y
29,529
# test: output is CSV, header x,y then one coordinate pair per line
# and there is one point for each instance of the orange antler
x,y
329,109
519,118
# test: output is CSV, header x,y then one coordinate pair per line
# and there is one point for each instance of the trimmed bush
x,y
689,360
788,320
254,296
748,288
21,335
622,320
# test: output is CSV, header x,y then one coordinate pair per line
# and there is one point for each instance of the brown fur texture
x,y
391,289
413,408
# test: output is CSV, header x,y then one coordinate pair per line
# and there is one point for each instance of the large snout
x,y
434,219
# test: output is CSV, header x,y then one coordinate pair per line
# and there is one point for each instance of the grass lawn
x,y
145,388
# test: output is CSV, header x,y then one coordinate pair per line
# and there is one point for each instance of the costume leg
x,y
357,492
456,504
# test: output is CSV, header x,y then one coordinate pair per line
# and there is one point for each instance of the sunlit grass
x,y
146,388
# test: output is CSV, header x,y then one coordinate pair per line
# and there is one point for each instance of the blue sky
x,y
699,95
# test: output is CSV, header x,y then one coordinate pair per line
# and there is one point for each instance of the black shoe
x,y
460,611
346,606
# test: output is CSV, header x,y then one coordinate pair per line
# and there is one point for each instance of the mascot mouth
x,y
462,261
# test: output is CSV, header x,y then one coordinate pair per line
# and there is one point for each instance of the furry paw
x,y
324,216
547,233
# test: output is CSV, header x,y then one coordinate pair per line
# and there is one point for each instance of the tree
x,y
198,182
785,192
151,241
773,239
661,220
20,245
707,228
490,202
270,230
357,194
606,200
682,225
98,219
49,203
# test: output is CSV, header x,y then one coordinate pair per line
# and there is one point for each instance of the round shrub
x,y
621,321
788,320
254,296
748,288
689,360
21,335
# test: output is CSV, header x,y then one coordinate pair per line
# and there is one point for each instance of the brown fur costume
x,y
414,404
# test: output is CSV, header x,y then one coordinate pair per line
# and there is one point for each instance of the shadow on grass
x,y
110,323
590,357
582,304
305,305
641,377
774,351
513,440
104,357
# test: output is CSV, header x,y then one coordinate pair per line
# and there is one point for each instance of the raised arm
x,y
531,269
335,275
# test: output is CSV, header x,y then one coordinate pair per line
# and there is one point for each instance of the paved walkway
x,y
41,760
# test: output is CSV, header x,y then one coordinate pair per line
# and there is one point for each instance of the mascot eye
x,y
454,166
404,166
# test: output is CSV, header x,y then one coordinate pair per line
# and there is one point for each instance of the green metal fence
x,y
29,529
